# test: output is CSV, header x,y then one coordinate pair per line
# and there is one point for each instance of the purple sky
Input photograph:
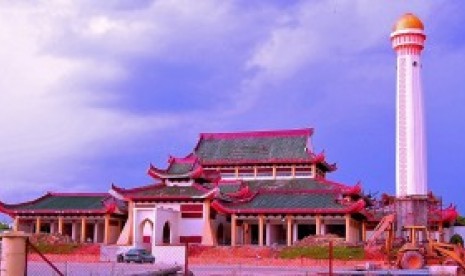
x,y
94,91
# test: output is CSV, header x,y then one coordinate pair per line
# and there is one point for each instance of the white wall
x,y
161,217
141,214
191,227
170,254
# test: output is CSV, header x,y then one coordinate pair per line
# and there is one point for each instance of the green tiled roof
x,y
289,201
259,148
229,188
63,202
289,184
167,191
179,168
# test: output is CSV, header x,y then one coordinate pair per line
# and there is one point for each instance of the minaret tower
x,y
408,40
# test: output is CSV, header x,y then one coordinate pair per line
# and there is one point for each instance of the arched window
x,y
166,233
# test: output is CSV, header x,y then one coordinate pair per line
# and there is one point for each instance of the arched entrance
x,y
220,234
146,233
166,233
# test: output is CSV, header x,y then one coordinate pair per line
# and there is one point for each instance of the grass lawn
x,y
322,252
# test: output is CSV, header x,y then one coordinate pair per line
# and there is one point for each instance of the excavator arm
x,y
386,223
450,251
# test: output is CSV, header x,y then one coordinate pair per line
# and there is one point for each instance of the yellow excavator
x,y
419,249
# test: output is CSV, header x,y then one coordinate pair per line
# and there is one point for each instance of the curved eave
x,y
5,206
164,174
126,193
353,208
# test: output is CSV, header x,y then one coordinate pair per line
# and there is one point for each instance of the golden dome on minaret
x,y
408,21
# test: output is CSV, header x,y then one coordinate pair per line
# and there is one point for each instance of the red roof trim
x,y
188,159
258,161
8,206
255,134
165,198
54,211
353,208
80,194
51,194
125,192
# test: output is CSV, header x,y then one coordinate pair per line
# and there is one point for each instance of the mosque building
x,y
256,187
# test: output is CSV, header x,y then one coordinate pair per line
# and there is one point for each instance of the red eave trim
x,y
255,161
127,192
54,211
81,194
258,134
164,198
188,159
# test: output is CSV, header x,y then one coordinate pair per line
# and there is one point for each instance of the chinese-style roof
x,y
286,196
164,192
282,146
183,168
66,203
287,203
297,184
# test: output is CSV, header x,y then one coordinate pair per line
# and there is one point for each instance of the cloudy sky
x,y
92,92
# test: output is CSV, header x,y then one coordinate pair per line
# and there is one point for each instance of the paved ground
x,y
101,269
113,269
237,270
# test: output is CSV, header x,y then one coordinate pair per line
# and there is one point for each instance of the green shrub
x,y
322,252
456,239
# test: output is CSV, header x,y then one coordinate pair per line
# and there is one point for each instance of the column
x,y
323,227
16,224
268,234
131,222
289,230
52,227
295,229
73,230
293,171
274,171
96,232
347,222
233,230
83,229
60,225
318,225
106,229
364,231
38,225
261,220
245,233
14,253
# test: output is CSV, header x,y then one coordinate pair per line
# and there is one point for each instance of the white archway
x,y
146,233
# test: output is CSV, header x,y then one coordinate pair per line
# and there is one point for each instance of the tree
x,y
4,226
460,220
456,239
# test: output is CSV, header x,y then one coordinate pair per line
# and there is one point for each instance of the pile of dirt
x,y
51,239
322,240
